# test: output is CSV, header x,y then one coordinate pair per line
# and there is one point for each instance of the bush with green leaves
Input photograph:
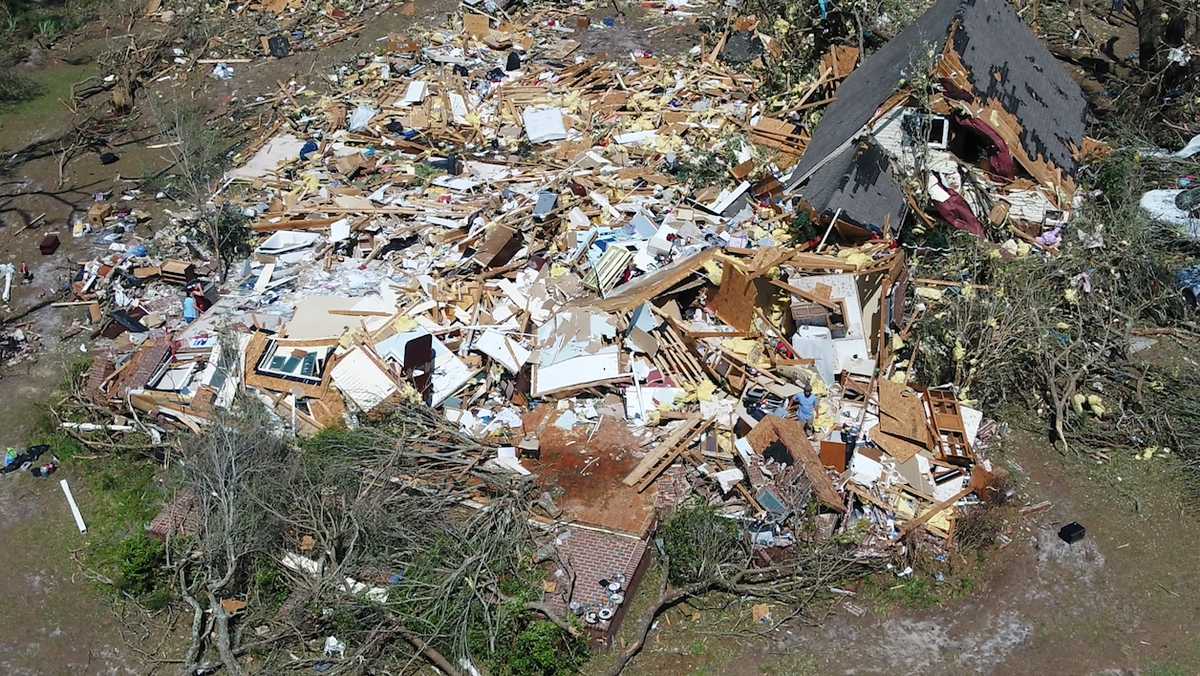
x,y
15,87
540,648
139,565
701,544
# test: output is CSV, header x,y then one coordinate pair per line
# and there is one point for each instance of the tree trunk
x,y
221,632
1150,35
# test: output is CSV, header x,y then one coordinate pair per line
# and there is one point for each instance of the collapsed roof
x,y
1007,76
858,184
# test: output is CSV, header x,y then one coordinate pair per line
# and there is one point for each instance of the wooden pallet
x,y
675,360
664,454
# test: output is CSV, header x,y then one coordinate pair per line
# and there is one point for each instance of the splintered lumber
x,y
934,511
300,224
641,289
662,456
790,433
809,296
675,360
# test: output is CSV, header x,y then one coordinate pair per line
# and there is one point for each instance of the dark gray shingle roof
x,y
873,82
1008,63
992,40
859,182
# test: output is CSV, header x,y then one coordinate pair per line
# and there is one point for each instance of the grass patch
x,y
916,592
123,496
40,98
45,429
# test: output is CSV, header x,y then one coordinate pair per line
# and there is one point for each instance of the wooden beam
x,y
934,511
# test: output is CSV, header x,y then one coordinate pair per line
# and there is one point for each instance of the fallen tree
x,y
701,552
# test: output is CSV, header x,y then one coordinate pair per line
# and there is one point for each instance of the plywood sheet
x,y
735,299
901,412
898,448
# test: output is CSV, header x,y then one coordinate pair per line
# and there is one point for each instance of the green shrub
x,y
139,563
15,88
803,227
700,544
542,649
270,584
1115,177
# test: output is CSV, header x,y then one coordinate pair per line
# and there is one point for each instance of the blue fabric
x,y
190,313
824,8
806,406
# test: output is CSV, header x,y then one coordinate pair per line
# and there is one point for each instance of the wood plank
x,y
809,296
934,511
669,448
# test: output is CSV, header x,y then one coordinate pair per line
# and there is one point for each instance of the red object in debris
x,y
957,212
1000,159
781,347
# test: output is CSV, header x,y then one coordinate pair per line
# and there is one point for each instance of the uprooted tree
x,y
363,538
238,472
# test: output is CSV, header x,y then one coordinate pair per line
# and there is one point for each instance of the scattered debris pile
x,y
616,274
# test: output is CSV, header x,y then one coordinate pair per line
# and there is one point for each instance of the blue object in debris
x,y
190,312
310,147
824,8
139,250
609,22
1188,281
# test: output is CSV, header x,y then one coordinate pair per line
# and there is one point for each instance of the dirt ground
x,y
1121,601
1124,600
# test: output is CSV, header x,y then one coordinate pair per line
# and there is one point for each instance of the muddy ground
x,y
1124,600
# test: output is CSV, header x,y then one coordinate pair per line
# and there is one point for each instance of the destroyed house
x,y
994,127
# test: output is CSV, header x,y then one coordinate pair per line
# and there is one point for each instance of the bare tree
x,y
239,472
199,155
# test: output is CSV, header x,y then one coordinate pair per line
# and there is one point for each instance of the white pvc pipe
x,y
8,271
74,507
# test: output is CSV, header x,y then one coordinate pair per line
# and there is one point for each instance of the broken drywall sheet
x,y
449,372
508,352
544,124
277,151
363,380
579,370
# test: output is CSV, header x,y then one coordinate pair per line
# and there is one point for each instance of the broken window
x,y
297,363
935,129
